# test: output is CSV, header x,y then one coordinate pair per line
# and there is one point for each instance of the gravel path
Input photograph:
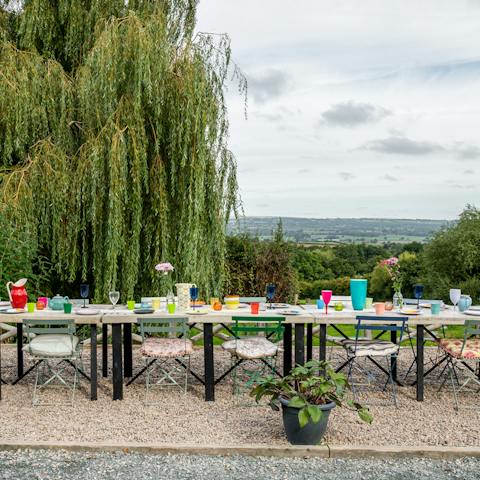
x,y
190,420
43,465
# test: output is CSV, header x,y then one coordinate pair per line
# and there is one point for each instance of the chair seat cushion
x,y
251,347
166,347
52,345
370,348
454,347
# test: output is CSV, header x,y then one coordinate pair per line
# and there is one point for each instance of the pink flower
x,y
164,267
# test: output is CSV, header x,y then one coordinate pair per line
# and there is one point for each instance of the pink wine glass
x,y
326,297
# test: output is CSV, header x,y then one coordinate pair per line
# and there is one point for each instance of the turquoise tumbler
x,y
358,292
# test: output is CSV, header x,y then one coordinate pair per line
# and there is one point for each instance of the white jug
x,y
183,296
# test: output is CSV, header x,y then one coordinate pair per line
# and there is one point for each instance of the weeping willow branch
x,y
113,140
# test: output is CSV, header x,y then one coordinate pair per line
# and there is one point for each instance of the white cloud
x,y
352,114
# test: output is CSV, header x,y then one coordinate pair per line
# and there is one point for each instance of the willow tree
x,y
113,139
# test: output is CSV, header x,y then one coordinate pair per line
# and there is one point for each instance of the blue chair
x,y
375,348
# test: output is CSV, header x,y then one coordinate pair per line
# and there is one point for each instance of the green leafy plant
x,y
305,388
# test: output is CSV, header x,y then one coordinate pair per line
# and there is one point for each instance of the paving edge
x,y
289,451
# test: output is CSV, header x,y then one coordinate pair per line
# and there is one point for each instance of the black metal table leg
x,y
420,338
209,362
93,362
19,351
117,361
127,350
104,350
309,341
323,343
393,358
299,343
287,348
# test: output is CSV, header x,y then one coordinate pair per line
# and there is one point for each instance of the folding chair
x,y
373,349
256,341
54,346
458,353
167,354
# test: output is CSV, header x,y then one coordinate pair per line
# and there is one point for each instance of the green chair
x,y
459,353
166,354
54,346
256,341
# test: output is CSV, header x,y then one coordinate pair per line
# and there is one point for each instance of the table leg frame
x,y
93,362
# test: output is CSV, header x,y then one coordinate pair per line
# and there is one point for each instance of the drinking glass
x,y
114,296
271,287
455,294
84,291
418,292
194,295
326,297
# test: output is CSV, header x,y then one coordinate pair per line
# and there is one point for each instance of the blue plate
x,y
143,310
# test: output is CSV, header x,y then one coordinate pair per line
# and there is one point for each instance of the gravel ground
x,y
189,420
51,464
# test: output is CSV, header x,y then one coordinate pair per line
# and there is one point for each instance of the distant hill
x,y
340,230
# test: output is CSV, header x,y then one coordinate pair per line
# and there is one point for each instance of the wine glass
x,y
326,297
271,287
114,296
194,295
455,294
84,291
418,292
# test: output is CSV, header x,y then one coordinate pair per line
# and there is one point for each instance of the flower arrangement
x,y
392,266
165,268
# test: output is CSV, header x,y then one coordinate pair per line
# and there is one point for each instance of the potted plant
x,y
307,396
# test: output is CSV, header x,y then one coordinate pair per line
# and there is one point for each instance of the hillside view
x,y
340,230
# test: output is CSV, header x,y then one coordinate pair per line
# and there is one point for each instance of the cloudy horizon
x,y
355,109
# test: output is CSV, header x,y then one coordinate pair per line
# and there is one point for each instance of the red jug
x,y
18,294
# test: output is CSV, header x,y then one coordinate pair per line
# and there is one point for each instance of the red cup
x,y
254,308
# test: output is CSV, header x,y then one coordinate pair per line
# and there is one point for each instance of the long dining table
x,y
297,338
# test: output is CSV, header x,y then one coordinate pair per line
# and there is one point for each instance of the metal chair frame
x,y
471,329
46,371
170,375
272,328
378,324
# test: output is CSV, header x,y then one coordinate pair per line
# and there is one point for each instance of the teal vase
x,y
358,292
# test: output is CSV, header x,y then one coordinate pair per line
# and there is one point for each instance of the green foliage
x,y
19,259
113,132
452,258
251,264
305,389
274,265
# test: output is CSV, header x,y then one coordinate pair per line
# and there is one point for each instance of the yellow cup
x,y
213,301
232,302
156,303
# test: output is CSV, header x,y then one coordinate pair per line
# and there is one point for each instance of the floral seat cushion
x,y
370,348
251,348
166,347
454,348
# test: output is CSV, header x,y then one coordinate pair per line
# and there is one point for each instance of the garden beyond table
x,y
92,320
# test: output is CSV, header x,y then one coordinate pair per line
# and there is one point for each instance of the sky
x,y
364,108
